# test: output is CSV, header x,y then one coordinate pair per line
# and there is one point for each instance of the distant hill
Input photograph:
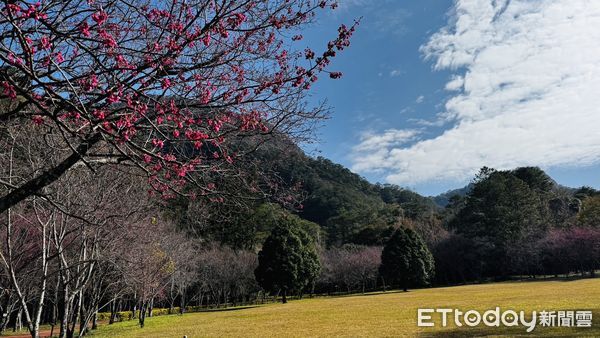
x,y
345,206
343,203
443,199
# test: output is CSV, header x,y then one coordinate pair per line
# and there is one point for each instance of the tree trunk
x,y
64,319
142,317
46,178
182,303
55,307
113,311
18,324
284,296
95,320
133,311
75,313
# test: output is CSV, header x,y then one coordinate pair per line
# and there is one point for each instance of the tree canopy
x,y
406,261
288,261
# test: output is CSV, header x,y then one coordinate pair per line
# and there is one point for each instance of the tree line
x,y
519,222
148,165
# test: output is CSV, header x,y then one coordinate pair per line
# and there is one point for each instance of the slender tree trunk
x,y
8,264
18,324
40,304
75,313
55,307
142,317
111,318
133,311
182,303
6,316
64,320
83,321
95,320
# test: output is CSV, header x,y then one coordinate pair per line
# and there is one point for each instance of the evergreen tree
x,y
406,260
288,261
589,215
502,212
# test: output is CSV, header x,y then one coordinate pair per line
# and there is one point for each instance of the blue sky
x,y
434,89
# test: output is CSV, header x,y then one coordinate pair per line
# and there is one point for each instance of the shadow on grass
x,y
512,280
571,278
225,309
345,295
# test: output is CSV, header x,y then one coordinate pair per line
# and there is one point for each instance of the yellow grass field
x,y
389,314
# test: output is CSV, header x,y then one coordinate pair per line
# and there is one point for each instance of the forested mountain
x,y
504,223
443,199
498,208
346,207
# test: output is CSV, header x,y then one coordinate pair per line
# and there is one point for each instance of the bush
x,y
126,315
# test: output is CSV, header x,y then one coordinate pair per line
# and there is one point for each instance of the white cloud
x,y
456,83
395,73
376,146
390,137
383,19
527,89
420,99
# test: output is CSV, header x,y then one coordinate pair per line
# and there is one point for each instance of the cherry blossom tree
x,y
353,267
165,86
226,274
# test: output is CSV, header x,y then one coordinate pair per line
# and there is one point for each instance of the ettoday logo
x,y
507,318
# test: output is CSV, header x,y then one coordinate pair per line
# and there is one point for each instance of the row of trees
x,y
61,268
105,101
518,222
574,250
106,105
64,269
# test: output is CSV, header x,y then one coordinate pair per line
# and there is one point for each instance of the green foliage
x,y
504,210
373,236
288,261
590,212
103,316
340,202
584,192
406,260
536,179
345,204
444,199
414,206
499,206
268,216
123,316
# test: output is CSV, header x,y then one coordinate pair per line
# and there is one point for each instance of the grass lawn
x,y
389,314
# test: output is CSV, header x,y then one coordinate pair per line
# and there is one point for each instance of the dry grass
x,y
388,314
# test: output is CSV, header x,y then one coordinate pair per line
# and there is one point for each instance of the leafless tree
x,y
351,267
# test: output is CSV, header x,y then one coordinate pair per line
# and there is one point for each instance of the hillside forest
x,y
150,164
